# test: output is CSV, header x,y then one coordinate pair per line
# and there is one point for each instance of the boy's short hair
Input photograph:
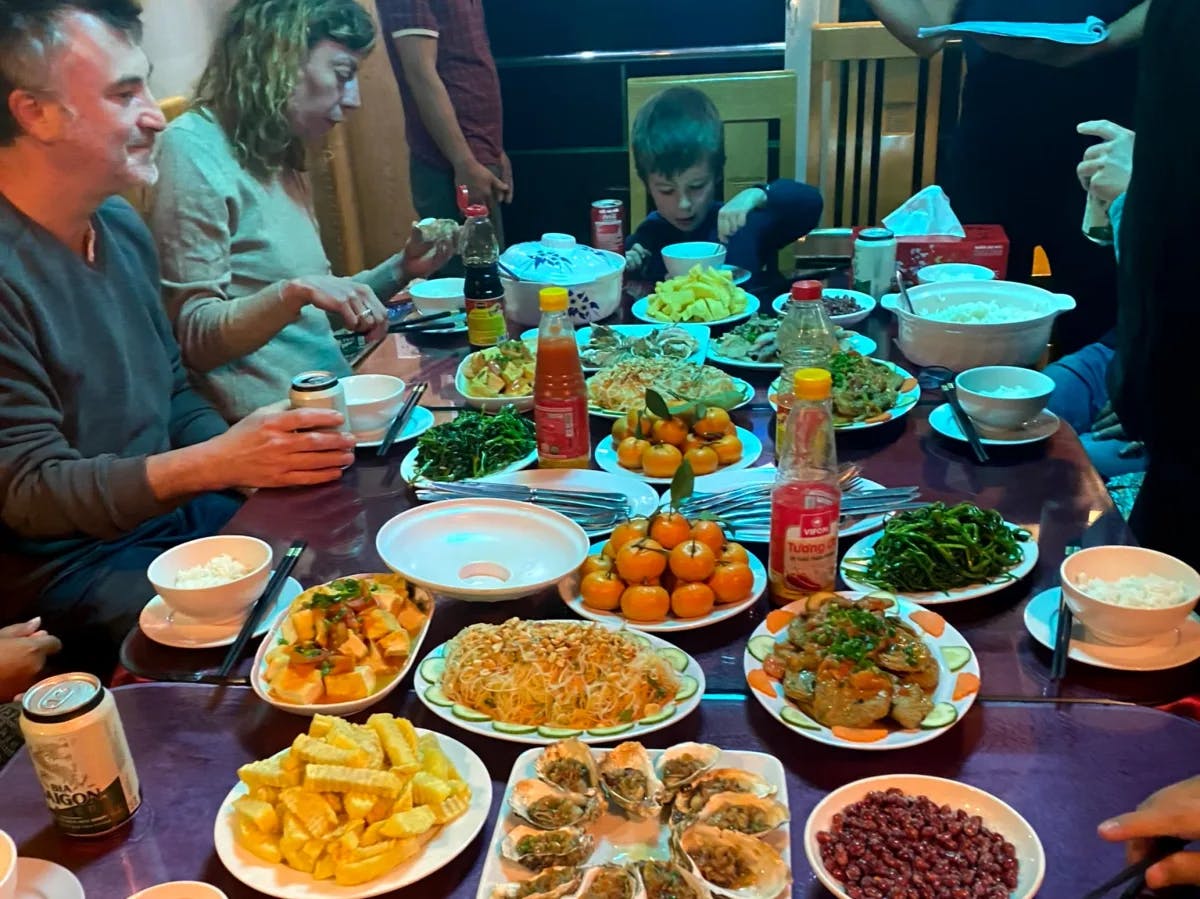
x,y
675,130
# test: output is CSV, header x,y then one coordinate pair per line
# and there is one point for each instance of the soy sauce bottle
x,y
482,288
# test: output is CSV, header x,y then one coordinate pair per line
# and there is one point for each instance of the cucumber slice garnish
x,y
505,728
941,715
431,669
761,646
435,695
468,714
798,719
882,594
639,639
676,658
610,731
956,656
687,688
558,733
667,711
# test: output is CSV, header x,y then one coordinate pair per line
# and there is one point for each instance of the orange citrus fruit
x,y
692,600
602,590
732,581
671,430
609,550
630,450
714,423
661,461
620,430
733,552
639,423
628,530
670,529
708,531
692,561
703,459
728,449
640,560
643,602
596,563
693,441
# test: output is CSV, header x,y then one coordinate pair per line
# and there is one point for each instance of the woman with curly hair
x,y
245,279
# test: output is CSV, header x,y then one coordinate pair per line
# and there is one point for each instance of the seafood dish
x,y
862,388
622,387
607,346
754,340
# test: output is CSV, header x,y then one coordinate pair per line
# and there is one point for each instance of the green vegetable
x,y
941,547
473,445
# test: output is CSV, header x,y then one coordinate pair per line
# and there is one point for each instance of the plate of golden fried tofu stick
x,y
352,810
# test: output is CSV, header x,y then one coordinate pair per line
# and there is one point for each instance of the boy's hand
x,y
732,217
635,257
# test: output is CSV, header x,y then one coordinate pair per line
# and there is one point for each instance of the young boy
x,y
679,151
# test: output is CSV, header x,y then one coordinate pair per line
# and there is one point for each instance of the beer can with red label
x,y
608,226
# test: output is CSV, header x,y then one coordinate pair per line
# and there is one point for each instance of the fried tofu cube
x,y
353,646
395,645
358,684
377,623
411,618
301,686
304,624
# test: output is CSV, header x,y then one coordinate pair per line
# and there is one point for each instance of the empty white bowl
x,y
8,866
439,295
1025,394
482,550
681,258
1126,625
372,401
954,271
218,604
181,889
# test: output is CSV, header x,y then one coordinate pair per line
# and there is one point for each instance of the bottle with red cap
x,y
806,339
482,288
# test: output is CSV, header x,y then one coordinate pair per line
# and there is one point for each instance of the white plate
x,y
722,481
286,883
641,311
896,738
488,403
740,275
181,632
606,457
408,465
745,387
682,708
1042,427
351,707
860,343
866,304
906,400
418,423
1179,647
643,499
672,624
997,816
40,879
866,548
620,838
699,333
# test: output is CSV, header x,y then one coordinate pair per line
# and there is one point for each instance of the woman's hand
x,y
356,303
1108,427
1173,811
23,651
1107,166
422,258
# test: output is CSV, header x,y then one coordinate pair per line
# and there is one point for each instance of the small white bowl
x,y
181,889
954,271
975,384
491,403
681,258
439,295
482,550
212,605
372,402
1122,625
8,866
997,816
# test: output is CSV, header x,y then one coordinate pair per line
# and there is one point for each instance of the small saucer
x,y
1043,426
740,275
182,632
40,879
420,422
1179,647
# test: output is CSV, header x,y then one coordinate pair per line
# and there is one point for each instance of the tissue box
x,y
985,245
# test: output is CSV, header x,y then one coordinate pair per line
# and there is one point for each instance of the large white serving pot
x,y
592,278
959,346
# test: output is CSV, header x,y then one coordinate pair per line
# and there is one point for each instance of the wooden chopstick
x,y
1160,848
264,602
965,424
401,419
1062,633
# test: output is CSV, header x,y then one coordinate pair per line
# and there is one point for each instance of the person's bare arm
x,y
1128,29
903,17
1122,33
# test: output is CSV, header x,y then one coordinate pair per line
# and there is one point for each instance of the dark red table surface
x,y
1064,766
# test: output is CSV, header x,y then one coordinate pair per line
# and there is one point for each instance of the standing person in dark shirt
x,y
1016,146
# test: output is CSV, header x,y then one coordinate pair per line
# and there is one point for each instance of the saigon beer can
x,y
608,226
319,390
75,738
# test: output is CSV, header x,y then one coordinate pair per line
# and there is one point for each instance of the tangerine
x,y
728,449
620,430
714,423
692,600
644,602
661,460
708,531
692,561
670,529
609,550
602,590
692,441
733,552
639,423
630,451
671,430
628,530
732,581
596,563
640,560
703,459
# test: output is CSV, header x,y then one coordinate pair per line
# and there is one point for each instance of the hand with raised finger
x,y
1107,167
1173,811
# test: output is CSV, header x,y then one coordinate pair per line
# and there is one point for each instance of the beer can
x,y
608,226
874,261
77,744
319,390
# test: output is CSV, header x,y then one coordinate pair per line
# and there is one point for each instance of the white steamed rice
x,y
982,312
1005,391
1150,591
222,569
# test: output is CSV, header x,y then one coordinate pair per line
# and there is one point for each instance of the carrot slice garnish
x,y
966,684
760,681
778,619
908,384
883,416
859,734
930,622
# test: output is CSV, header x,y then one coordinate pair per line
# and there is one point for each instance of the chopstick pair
x,y
965,424
431,322
1062,633
401,419
265,601
1135,874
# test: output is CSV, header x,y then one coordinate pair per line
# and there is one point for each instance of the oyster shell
x,y
733,864
743,812
547,807
568,765
552,883
629,779
667,880
719,780
681,764
609,882
538,849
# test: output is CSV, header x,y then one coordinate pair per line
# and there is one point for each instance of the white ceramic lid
x,y
558,259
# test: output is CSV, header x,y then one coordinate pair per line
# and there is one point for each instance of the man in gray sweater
x,y
107,456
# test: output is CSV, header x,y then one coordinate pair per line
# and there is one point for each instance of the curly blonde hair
x,y
254,67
